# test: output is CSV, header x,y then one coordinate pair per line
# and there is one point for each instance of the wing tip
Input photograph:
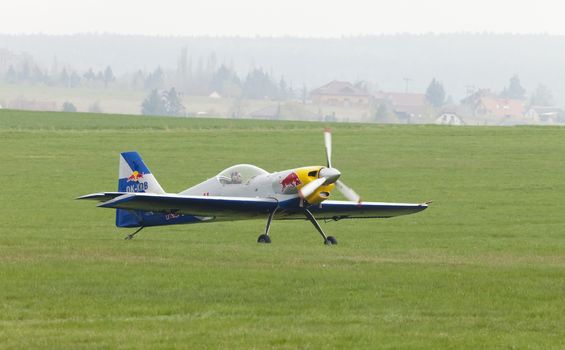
x,y
91,196
425,204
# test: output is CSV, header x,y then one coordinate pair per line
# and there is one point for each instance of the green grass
x,y
483,267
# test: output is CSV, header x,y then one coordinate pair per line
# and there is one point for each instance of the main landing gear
x,y
264,238
328,240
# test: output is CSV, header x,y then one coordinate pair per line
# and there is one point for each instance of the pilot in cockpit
x,y
236,177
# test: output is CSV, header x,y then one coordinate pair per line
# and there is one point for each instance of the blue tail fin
x,y
134,176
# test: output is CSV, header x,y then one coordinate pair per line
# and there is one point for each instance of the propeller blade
x,y
311,187
328,143
330,174
347,192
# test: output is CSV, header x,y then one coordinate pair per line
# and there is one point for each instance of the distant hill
x,y
459,61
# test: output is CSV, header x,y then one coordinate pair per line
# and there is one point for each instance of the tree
x,y
138,80
24,73
74,79
224,80
64,78
95,108
153,104
108,76
382,112
514,89
68,107
173,103
37,75
11,75
283,90
259,85
435,94
542,97
182,68
89,75
155,80
163,103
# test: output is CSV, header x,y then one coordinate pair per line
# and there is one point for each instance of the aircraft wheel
x,y
264,239
330,241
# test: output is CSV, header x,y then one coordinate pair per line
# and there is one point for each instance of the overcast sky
x,y
305,18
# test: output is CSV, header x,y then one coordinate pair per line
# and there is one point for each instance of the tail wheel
x,y
331,240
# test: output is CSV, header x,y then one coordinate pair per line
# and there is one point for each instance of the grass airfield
x,y
483,267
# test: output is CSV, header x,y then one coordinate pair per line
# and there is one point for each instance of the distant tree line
x,y
207,76
28,72
201,78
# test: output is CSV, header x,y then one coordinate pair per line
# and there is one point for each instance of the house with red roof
x,y
500,107
408,107
340,93
490,108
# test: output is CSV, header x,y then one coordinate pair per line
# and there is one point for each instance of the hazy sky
x,y
305,18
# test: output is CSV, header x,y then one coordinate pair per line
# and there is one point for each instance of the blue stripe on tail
x,y
127,183
135,162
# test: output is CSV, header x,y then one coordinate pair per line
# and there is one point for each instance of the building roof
x,y
339,88
549,113
502,107
547,110
404,102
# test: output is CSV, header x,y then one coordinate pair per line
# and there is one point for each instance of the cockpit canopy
x,y
239,174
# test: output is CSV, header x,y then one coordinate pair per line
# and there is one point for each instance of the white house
x,y
449,118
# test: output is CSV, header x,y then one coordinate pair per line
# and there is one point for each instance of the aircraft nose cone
x,y
330,174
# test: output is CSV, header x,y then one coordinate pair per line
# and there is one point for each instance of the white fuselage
x,y
260,186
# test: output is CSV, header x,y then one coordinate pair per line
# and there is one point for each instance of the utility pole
x,y
407,82
470,89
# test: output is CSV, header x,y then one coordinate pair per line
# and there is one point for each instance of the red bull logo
x,y
290,182
136,176
135,183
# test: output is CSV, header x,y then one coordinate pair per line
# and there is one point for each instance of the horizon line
x,y
285,36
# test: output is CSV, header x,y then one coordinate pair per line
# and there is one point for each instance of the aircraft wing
x,y
337,210
208,206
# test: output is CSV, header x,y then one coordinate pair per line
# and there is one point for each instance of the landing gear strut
x,y
264,238
130,236
328,240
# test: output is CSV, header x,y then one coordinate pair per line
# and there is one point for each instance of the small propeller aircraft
x,y
241,192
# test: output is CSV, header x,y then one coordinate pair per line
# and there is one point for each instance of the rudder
x,y
134,176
